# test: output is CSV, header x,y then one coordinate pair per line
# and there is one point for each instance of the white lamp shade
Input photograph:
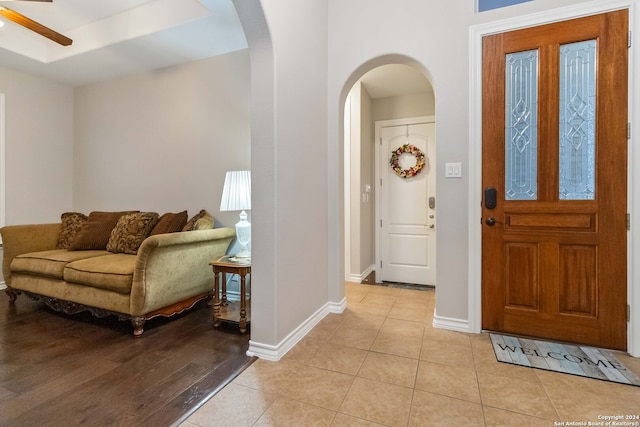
x,y
236,194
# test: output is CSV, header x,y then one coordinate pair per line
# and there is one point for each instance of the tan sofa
x,y
168,275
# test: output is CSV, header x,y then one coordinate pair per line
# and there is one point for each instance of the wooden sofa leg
x,y
12,295
138,325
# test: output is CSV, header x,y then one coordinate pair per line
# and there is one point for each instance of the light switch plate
x,y
453,170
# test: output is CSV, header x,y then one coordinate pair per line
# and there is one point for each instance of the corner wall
x,y
288,47
362,203
38,148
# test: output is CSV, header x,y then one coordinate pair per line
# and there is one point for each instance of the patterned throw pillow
x,y
130,232
72,223
96,230
203,220
170,223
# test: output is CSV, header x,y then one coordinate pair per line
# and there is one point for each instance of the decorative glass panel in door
x,y
577,120
521,127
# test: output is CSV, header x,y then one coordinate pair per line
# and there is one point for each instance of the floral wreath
x,y
413,171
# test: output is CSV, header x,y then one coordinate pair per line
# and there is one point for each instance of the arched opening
x,y
389,103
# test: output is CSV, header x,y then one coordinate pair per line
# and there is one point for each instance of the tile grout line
x,y
475,371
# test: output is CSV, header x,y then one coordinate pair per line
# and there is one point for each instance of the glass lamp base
x,y
243,234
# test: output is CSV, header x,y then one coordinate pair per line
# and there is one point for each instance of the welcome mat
x,y
570,359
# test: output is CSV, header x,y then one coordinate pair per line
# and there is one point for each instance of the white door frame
x,y
378,175
475,154
347,188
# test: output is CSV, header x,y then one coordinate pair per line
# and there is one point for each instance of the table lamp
x,y
236,196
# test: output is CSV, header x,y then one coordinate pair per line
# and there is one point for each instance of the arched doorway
x,y
398,98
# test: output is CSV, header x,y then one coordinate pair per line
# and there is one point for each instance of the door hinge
x,y
629,39
628,131
628,221
628,313
380,263
380,223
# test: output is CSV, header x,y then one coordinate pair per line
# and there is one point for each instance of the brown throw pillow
x,y
203,220
170,223
130,232
71,225
96,230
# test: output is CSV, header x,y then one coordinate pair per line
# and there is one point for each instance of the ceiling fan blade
x,y
19,18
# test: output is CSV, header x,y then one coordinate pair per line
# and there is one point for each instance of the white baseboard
x,y
3,286
276,352
358,278
460,325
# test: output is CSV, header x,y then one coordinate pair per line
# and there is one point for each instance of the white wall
x,y
352,229
414,39
163,141
367,175
38,148
361,173
288,46
405,106
299,37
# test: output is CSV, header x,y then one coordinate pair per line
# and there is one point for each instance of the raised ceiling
x,y
114,38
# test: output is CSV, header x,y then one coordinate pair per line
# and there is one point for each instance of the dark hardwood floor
x,y
60,370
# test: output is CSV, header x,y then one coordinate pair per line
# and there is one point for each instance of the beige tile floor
x,y
381,363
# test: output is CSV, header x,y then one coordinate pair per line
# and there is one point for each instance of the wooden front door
x,y
554,160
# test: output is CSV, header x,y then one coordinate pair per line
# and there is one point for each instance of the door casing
x,y
378,125
475,155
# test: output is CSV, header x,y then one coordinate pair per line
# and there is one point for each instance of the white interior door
x,y
407,207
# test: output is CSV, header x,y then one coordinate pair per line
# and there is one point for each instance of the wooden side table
x,y
236,312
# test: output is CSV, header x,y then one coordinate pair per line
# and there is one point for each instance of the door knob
x,y
490,221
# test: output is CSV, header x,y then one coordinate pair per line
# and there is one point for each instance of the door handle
x,y
490,221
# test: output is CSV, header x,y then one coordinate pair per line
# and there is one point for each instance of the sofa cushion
x,y
71,224
96,231
113,272
130,231
49,263
203,220
170,223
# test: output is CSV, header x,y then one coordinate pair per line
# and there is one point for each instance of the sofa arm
x,y
22,239
173,267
